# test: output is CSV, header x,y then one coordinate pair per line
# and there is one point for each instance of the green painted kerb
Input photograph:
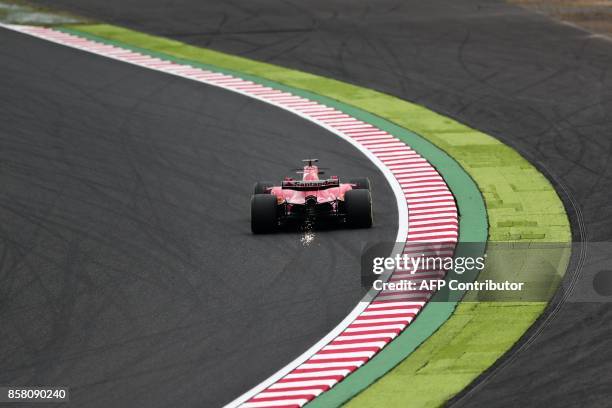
x,y
521,205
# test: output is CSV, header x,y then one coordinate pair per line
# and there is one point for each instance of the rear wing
x,y
305,185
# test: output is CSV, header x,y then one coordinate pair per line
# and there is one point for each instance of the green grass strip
x,y
521,206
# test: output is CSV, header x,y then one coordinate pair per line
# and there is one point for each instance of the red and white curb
x,y
427,214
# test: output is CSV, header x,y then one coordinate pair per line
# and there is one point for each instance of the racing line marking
x,y
417,186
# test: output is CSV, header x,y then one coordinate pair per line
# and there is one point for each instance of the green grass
x,y
521,206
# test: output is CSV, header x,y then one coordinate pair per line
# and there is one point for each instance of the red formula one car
x,y
310,201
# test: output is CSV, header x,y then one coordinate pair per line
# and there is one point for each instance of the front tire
x,y
358,205
263,213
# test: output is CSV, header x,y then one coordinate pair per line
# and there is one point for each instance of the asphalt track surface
x,y
127,267
542,87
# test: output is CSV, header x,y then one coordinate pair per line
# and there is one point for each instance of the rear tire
x,y
261,187
361,183
263,213
358,205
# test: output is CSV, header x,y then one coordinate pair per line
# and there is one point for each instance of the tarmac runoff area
x,y
453,284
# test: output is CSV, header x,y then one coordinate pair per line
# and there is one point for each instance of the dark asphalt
x,y
127,267
542,87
